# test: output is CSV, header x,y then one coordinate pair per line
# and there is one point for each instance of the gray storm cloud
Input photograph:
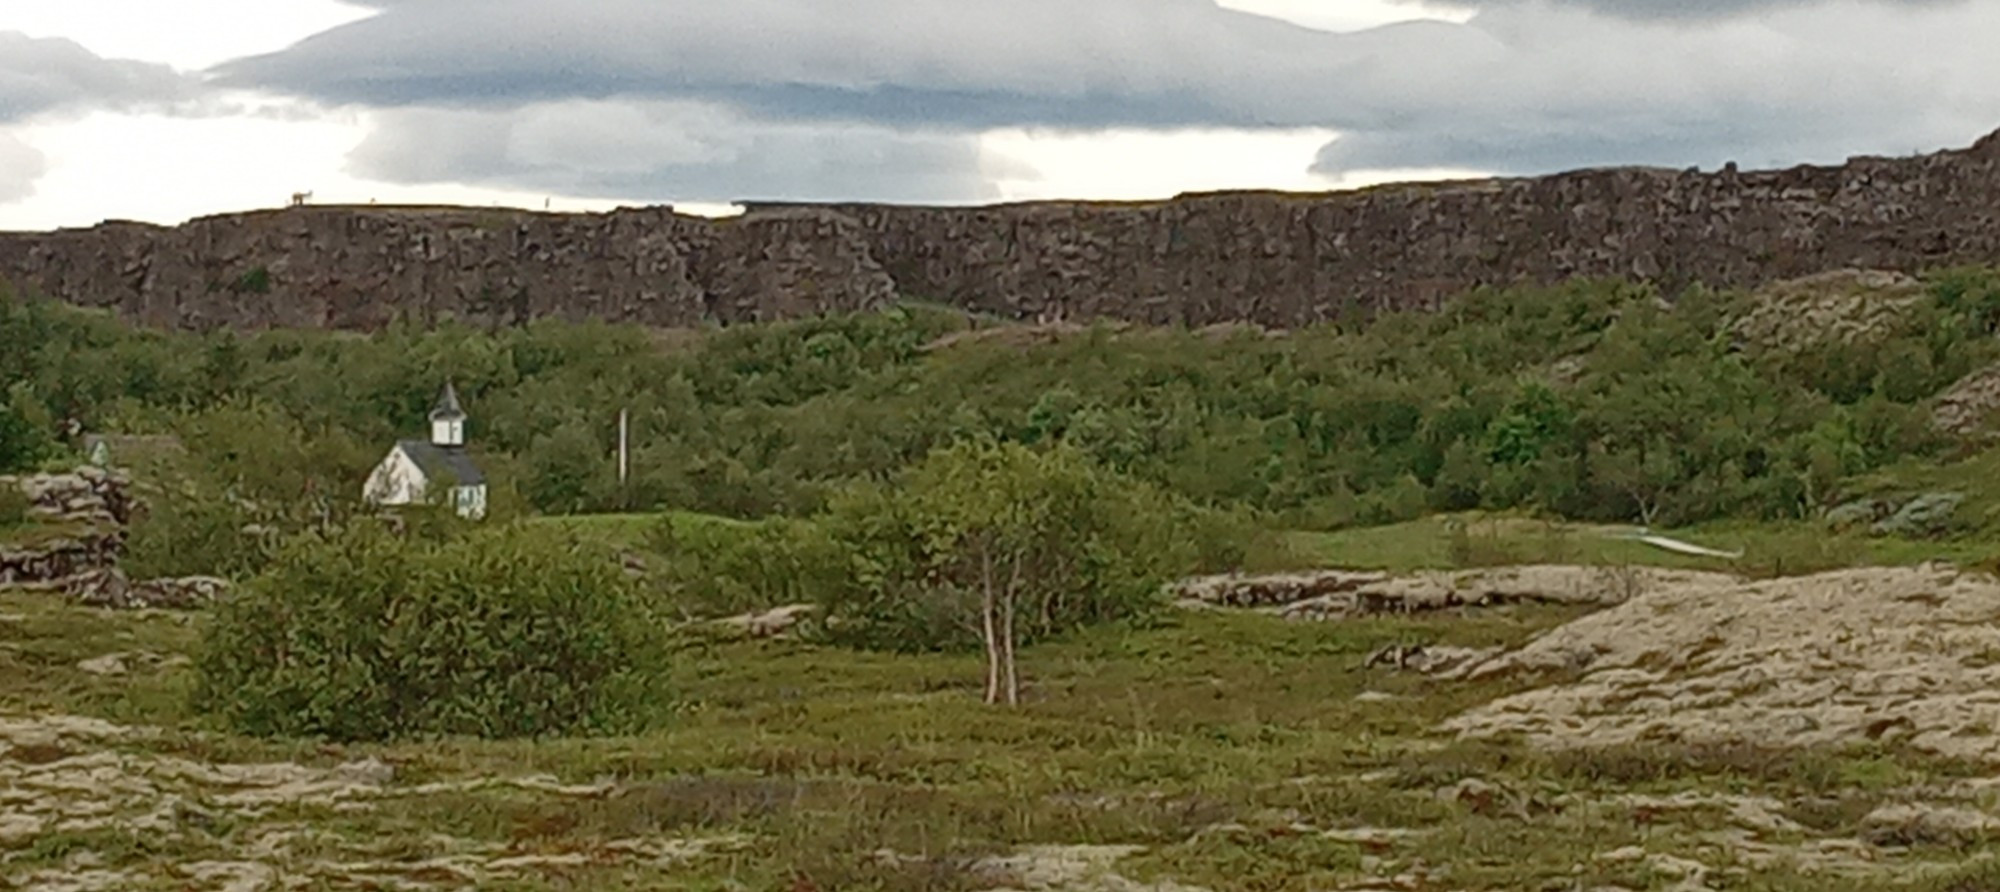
x,y
1685,10
41,75
883,98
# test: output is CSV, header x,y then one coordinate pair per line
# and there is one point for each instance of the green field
x,y
1462,541
1769,549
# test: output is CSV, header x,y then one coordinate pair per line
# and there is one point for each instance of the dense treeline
x,y
1592,400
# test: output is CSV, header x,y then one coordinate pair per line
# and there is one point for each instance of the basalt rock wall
x,y
1272,259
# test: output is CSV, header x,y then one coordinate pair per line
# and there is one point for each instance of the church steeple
x,y
448,419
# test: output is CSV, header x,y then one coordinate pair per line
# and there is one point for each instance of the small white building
x,y
420,472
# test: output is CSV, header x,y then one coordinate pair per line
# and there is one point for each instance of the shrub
x,y
14,505
719,568
363,635
999,545
187,532
23,442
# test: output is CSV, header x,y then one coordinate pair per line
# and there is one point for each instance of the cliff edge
x,y
1273,259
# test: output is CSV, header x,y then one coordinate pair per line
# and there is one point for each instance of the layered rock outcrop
x,y
1279,260
90,495
74,538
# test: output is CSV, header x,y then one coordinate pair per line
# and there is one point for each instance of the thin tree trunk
x,y
1007,637
1007,645
988,630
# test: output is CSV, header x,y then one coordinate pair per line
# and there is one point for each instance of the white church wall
x,y
396,481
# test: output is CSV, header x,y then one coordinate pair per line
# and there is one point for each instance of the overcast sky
x,y
164,109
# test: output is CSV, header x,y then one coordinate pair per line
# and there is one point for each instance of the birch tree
x,y
1000,546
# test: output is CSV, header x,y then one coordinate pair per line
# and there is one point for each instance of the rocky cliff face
x,y
1272,259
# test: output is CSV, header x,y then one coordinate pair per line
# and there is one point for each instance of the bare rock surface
x,y
87,495
1333,594
109,588
65,774
1069,869
772,623
1910,655
1849,307
1970,404
74,545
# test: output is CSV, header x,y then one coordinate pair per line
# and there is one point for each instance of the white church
x,y
418,472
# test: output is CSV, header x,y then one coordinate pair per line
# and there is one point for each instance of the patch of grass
x,y
629,531
1769,549
257,280
34,533
1982,875
107,846
1855,770
43,643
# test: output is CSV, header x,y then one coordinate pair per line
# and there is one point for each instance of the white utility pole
x,y
624,452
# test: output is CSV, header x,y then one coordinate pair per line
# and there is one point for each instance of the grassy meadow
x,y
1230,751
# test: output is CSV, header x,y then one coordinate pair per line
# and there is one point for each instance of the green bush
x,y
717,568
23,442
14,505
997,545
365,635
189,532
1055,541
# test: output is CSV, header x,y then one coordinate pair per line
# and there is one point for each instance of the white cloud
x,y
20,166
1342,16
186,34
196,167
666,151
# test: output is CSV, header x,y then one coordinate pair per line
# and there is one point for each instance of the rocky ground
x,y
70,785
1531,727
1907,656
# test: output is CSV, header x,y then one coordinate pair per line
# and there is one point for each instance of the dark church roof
x,y
444,461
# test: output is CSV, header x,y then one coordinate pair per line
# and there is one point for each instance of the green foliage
x,y
255,281
24,442
1590,400
253,475
715,569
190,531
362,635
1058,541
14,506
1971,294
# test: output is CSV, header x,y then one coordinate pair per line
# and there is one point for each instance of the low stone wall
x,y
55,561
88,495
109,588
